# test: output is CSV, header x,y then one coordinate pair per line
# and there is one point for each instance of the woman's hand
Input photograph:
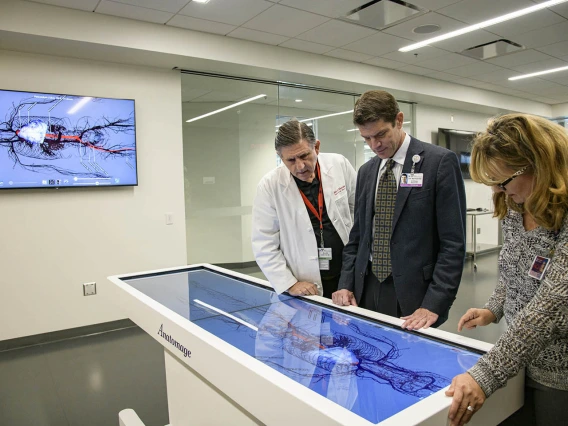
x,y
474,317
467,399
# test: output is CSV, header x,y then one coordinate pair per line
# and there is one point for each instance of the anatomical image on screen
x,y
57,140
372,369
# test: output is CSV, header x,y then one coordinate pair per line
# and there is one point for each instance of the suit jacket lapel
x,y
402,194
371,192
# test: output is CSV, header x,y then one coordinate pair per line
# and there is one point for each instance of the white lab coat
x,y
283,240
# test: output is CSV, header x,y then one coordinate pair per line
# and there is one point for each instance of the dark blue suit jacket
x,y
428,233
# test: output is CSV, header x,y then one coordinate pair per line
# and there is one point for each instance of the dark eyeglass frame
x,y
503,184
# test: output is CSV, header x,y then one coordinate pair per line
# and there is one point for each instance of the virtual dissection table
x,y
237,353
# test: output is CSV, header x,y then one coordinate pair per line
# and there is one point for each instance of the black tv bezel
x,y
445,131
51,187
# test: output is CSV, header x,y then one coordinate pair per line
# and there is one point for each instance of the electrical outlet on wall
x,y
479,230
89,289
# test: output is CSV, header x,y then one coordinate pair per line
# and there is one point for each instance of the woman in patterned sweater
x,y
524,159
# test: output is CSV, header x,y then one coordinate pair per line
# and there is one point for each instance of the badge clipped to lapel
x,y
412,180
538,267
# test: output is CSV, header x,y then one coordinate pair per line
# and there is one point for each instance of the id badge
x,y
324,256
539,266
413,180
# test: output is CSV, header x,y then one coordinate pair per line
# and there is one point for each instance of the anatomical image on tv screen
x,y
56,140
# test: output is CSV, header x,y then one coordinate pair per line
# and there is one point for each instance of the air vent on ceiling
x,y
493,49
381,14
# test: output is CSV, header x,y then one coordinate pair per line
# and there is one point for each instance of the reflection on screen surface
x,y
56,140
371,369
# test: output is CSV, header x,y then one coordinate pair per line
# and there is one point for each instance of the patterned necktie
x,y
384,213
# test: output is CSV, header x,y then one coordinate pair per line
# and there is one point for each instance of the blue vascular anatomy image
x,y
66,136
371,369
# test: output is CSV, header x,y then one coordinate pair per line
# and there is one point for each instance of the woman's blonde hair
x,y
516,141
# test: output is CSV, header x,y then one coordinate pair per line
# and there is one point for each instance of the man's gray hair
x,y
293,132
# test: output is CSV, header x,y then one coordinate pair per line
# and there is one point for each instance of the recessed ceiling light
x,y
534,74
201,1
225,108
426,29
298,100
483,24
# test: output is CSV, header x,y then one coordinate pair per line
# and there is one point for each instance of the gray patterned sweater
x,y
536,311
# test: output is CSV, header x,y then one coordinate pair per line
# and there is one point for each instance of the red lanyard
x,y
320,205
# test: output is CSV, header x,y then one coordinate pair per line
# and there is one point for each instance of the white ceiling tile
x,y
477,83
172,6
561,9
133,12
557,50
225,11
306,46
560,77
475,11
348,55
416,56
405,28
544,36
285,21
336,33
533,21
259,36
438,75
518,58
556,90
385,63
473,69
413,69
531,84
498,77
444,63
463,42
433,4
378,44
540,66
88,5
547,100
331,8
190,23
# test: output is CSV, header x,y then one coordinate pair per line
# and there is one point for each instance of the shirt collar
x,y
399,155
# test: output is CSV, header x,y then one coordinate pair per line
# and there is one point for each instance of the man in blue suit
x,y
407,263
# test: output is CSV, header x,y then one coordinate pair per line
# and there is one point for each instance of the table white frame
x,y
219,384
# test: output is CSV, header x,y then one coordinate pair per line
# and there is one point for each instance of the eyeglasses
x,y
503,184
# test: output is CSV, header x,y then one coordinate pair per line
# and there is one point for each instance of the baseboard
x,y
238,265
71,333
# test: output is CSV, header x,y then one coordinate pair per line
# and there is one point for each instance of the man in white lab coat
x,y
302,215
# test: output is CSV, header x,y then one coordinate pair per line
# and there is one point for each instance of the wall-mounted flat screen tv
x,y
58,140
458,141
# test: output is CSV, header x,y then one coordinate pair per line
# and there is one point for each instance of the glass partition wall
x,y
229,126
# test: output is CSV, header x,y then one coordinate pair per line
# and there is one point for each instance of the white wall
x,y
55,240
428,120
